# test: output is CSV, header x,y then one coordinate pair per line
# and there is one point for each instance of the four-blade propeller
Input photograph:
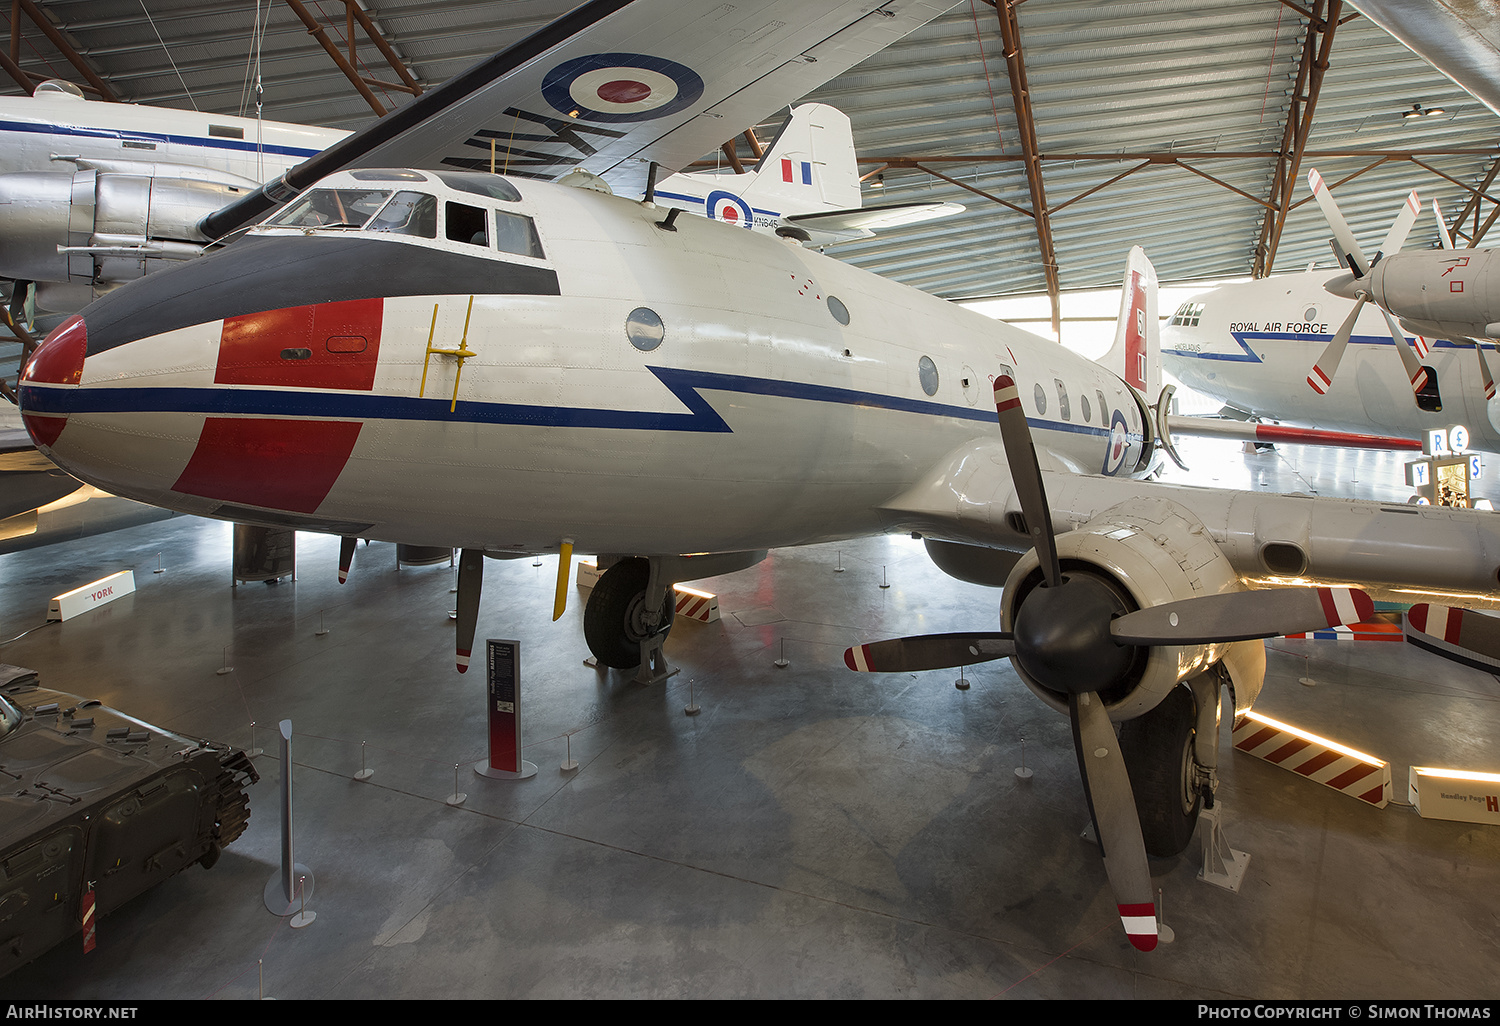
x,y
1357,287
1073,636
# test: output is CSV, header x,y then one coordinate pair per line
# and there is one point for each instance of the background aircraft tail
x,y
1136,353
809,165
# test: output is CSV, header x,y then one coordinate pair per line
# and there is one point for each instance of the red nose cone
x,y
57,361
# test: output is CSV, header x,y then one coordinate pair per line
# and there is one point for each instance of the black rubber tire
x,y
612,617
1158,751
210,858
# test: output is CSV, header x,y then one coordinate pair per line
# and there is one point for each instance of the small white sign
x,y
1474,466
1455,794
1437,442
1419,474
1458,439
81,600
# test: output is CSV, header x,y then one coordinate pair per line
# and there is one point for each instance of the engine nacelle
x,y
1148,551
108,223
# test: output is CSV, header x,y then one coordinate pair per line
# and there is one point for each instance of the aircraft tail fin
x,y
1136,353
810,164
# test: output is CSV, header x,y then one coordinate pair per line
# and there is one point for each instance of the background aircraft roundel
x,y
729,208
615,87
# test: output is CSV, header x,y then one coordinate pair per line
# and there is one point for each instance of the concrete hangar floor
x,y
811,833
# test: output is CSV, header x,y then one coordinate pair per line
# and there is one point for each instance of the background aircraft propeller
x,y
1356,286
1073,635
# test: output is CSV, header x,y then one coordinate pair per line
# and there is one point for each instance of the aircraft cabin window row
x,y
1187,315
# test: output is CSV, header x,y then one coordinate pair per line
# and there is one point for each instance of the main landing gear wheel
x,y
614,620
1158,750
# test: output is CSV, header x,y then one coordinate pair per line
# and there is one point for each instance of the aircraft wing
x,y
612,87
1461,40
969,498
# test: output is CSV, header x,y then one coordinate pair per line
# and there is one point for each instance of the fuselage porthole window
x,y
1103,408
1039,396
1063,409
1083,401
839,310
644,329
927,374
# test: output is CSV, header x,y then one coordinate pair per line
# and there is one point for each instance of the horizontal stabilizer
x,y
873,219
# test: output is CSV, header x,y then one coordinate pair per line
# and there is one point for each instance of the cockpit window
x,y
480,184
468,224
409,213
516,234
1188,315
332,208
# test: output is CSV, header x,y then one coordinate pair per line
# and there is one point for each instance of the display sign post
x,y
503,692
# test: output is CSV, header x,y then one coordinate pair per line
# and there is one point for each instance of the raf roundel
x,y
621,87
1119,441
729,208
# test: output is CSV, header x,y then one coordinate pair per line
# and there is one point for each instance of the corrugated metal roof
x,y
1152,76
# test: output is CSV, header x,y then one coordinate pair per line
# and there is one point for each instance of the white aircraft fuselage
x,y
288,379
1252,346
37,130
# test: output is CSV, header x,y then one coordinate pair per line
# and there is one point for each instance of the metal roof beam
x,y
347,65
38,18
1020,94
1321,22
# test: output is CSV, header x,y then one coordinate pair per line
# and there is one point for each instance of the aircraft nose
x,y
57,363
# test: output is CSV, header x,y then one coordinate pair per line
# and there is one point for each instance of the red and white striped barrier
x,y
1317,758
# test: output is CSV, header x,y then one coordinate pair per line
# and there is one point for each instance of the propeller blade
x,y
1336,221
1401,226
1443,234
1321,379
1026,475
929,652
470,582
1106,785
1414,369
1243,616
1484,371
346,557
1459,634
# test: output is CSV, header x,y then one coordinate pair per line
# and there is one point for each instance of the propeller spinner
x,y
1074,635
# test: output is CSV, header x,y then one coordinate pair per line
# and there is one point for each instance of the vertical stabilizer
x,y
1136,353
808,168
810,164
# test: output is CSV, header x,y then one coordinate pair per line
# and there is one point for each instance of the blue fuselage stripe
x,y
207,143
686,385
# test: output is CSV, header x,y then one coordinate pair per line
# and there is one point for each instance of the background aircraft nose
x,y
57,361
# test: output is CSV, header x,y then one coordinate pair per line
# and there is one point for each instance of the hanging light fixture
x,y
1417,111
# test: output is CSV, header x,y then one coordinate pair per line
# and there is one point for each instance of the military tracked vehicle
x,y
95,808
